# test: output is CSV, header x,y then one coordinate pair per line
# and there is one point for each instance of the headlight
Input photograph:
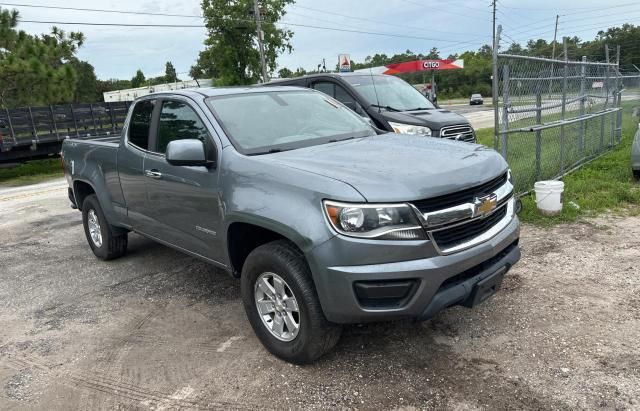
x,y
410,129
374,221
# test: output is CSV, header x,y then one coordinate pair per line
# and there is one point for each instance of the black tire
x,y
114,242
316,335
636,174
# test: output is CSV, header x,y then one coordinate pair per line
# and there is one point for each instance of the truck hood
x,y
434,119
395,167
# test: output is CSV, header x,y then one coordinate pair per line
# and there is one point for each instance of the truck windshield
x,y
389,91
271,121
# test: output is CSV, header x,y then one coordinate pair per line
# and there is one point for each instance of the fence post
x,y
564,104
538,133
606,91
613,114
505,110
75,122
113,123
53,120
33,126
618,114
583,125
13,134
93,118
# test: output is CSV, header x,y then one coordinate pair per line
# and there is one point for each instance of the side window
x,y
344,97
325,87
178,121
140,123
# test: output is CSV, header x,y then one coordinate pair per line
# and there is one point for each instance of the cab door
x,y
131,156
183,202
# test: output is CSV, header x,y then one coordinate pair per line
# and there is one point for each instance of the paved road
x,y
161,330
478,116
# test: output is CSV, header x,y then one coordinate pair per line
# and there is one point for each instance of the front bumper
x,y
434,281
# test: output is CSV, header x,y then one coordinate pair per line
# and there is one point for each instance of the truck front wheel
x,y
282,305
104,242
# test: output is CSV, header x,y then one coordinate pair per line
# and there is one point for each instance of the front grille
x,y
460,197
460,132
450,237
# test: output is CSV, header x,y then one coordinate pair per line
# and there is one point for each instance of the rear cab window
x,y
140,124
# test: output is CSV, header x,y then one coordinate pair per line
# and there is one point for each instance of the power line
x,y
100,10
446,11
565,24
374,33
422,29
556,8
572,30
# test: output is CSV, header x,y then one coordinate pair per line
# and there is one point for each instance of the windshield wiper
x,y
335,140
388,108
420,108
270,151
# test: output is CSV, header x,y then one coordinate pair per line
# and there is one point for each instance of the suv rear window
x,y
140,123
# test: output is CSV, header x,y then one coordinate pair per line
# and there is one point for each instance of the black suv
x,y
391,103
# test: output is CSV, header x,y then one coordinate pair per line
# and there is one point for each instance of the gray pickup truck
x,y
325,219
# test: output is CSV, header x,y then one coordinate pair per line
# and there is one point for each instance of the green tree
x,y
627,36
433,54
138,80
231,53
86,87
36,70
285,73
170,75
111,85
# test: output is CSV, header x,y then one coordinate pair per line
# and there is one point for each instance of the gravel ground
x,y
160,330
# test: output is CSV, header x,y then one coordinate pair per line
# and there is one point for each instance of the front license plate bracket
x,y
486,287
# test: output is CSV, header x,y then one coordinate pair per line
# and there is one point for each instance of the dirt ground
x,y
160,330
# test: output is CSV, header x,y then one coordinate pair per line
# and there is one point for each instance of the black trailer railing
x,y
30,132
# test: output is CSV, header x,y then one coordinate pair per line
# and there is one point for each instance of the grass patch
x,y
604,185
31,172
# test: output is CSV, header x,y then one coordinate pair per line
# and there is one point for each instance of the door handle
x,y
153,174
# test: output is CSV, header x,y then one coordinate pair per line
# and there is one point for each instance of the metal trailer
x,y
35,132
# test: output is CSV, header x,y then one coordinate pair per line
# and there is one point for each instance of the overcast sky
x,y
451,26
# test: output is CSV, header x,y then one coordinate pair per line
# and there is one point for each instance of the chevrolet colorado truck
x,y
325,219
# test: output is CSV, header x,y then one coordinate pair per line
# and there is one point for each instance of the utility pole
x,y
553,53
494,76
493,33
555,35
256,12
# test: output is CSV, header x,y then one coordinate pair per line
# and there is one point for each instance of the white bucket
x,y
549,196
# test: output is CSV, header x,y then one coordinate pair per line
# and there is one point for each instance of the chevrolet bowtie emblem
x,y
485,205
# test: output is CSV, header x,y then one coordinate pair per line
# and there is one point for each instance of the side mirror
x,y
188,152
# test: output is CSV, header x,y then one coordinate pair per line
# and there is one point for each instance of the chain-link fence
x,y
554,115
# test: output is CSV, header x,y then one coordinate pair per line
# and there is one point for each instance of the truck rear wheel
x,y
104,242
282,305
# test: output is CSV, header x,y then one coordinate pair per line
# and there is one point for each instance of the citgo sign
x,y
416,65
